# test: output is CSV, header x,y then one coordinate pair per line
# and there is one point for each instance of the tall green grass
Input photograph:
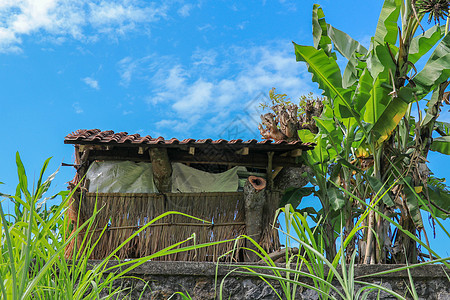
x,y
333,279
32,263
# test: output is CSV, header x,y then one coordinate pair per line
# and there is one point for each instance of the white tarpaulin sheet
x,y
121,177
131,177
189,180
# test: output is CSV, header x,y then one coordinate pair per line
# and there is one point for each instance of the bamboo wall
x,y
123,214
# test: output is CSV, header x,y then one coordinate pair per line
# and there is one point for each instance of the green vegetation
x,y
34,239
371,151
369,170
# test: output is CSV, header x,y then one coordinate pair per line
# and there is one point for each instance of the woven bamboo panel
x,y
124,214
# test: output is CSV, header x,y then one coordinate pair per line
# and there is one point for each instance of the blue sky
x,y
173,69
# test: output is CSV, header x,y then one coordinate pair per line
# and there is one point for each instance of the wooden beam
x,y
296,153
293,153
243,151
256,159
276,171
162,169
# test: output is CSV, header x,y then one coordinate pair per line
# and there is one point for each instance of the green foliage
x,y
368,142
32,263
331,279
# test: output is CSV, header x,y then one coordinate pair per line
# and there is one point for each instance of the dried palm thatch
x,y
123,214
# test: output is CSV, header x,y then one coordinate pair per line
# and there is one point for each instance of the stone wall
x,y
160,280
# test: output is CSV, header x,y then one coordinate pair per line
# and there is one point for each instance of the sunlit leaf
x,y
441,145
387,31
392,115
423,43
376,104
325,71
436,70
320,36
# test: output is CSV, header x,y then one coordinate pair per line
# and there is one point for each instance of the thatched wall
x,y
123,214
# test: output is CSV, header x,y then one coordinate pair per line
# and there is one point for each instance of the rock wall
x,y
160,280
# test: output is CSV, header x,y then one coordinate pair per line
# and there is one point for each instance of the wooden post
x,y
270,170
162,169
255,199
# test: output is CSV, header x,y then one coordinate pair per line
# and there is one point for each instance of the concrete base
x,y
163,279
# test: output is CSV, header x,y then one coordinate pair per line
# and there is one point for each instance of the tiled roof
x,y
109,137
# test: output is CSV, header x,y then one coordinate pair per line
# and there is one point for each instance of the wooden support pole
x,y
162,169
255,200
270,170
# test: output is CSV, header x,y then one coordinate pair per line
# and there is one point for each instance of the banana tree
x,y
380,148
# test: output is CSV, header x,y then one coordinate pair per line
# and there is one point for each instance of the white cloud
x,y
202,92
207,57
206,27
181,127
185,10
77,108
77,19
196,97
91,82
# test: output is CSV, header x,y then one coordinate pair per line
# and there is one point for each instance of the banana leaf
x,y
435,71
440,198
441,145
412,202
336,198
387,31
325,71
423,43
294,196
377,102
320,36
392,115
432,109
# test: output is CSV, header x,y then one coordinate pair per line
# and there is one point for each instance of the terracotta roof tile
x,y
96,136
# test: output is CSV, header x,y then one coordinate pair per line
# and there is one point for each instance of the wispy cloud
x,y
185,10
77,108
77,19
91,82
198,93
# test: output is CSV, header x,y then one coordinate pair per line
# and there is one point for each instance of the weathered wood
x,y
243,151
255,199
162,169
281,253
290,177
296,153
255,160
270,170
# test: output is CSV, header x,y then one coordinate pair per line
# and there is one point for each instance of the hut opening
x,y
134,179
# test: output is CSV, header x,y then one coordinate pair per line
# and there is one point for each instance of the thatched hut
x,y
133,179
